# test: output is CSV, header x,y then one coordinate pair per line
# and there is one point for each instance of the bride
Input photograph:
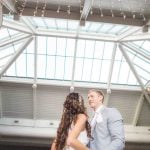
x,y
74,130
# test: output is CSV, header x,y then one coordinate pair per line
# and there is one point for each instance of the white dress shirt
x,y
97,116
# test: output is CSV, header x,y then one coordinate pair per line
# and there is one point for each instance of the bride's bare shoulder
x,y
81,117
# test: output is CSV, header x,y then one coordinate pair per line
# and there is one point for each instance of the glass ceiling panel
x,y
86,27
39,22
105,28
50,23
122,73
72,25
6,33
146,46
124,29
93,61
117,29
55,61
142,46
94,27
55,55
6,54
24,64
55,58
141,65
55,24
62,24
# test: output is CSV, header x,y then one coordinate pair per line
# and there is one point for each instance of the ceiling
x,y
130,12
118,28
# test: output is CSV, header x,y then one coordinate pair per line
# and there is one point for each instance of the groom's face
x,y
95,100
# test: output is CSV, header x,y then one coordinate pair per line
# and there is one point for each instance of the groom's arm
x,y
116,130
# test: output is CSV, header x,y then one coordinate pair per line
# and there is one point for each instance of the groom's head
x,y
95,98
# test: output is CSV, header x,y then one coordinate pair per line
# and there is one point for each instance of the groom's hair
x,y
99,92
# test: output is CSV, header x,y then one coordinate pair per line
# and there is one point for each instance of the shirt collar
x,y
99,109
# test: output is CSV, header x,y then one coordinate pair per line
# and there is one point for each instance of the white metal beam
x,y
10,5
98,37
14,25
66,34
28,24
86,9
8,55
55,33
138,37
134,72
111,68
127,33
74,60
14,39
147,84
106,101
1,15
34,86
110,74
138,110
16,55
35,59
67,83
137,51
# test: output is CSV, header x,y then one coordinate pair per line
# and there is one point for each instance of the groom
x,y
106,126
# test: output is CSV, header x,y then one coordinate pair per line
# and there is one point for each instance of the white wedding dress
x,y
82,138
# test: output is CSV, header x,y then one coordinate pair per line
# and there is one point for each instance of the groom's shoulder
x,y
113,112
111,109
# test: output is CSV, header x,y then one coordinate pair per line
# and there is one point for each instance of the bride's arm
x,y
53,145
74,133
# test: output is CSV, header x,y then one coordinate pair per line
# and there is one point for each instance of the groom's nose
x,y
89,99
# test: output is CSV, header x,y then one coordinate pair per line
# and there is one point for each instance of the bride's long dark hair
x,y
72,106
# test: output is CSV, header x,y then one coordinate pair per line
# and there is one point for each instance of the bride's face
x,y
81,102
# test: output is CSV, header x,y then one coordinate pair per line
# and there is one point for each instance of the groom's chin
x,y
92,106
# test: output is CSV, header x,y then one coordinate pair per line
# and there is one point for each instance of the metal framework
x,y
134,72
16,55
138,110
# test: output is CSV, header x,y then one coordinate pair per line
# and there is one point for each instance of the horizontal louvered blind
x,y
17,101
50,101
144,118
125,102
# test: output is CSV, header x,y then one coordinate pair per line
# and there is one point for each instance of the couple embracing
x,y
104,132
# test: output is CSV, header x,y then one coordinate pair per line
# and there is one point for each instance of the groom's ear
x,y
101,98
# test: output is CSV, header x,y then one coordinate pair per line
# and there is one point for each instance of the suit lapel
x,y
95,123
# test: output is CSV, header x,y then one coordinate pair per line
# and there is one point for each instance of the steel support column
x,y
138,110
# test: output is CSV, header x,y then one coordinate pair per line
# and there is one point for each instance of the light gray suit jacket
x,y
108,134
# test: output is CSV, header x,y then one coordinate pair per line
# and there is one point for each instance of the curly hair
x,y
72,106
